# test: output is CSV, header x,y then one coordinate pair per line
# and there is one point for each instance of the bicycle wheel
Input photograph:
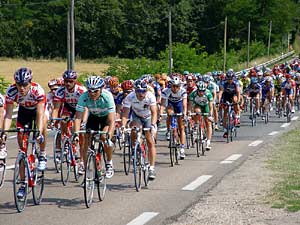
x,y
126,154
137,170
20,203
73,162
38,188
2,172
192,138
171,146
65,162
56,154
198,140
187,134
145,163
288,112
101,175
89,179
203,137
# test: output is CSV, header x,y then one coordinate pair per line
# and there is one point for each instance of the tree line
x,y
139,28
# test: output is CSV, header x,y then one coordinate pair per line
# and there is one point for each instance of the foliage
x,y
3,85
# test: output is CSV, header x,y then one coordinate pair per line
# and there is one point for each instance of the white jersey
x,y
140,108
212,86
1,100
169,95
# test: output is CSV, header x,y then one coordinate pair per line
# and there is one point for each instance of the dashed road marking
x,y
196,183
255,143
231,159
295,118
285,125
12,137
273,133
143,218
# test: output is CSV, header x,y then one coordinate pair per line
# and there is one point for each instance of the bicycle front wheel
x,y
89,179
137,170
38,188
20,202
2,172
65,162
101,176
126,154
56,154
145,163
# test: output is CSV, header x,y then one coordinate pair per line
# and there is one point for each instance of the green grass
x,y
286,165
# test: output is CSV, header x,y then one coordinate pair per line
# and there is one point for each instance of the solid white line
x,y
143,218
162,129
285,125
295,118
273,133
196,183
233,157
255,143
10,167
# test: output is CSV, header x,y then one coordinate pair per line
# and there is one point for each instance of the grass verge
x,y
286,165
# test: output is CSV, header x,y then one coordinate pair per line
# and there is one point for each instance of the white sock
x,y
208,142
151,168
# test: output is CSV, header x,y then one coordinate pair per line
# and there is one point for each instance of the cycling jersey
x,y
201,100
101,107
140,108
189,90
229,88
157,88
69,99
1,100
213,87
169,95
35,95
287,85
253,88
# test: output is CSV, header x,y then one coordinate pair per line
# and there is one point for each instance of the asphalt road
x,y
174,189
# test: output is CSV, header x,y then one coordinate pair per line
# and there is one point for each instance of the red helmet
x,y
288,76
127,85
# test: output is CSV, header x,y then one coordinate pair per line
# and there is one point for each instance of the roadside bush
x,y
3,85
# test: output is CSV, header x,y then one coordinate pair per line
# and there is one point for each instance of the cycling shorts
x,y
96,122
289,91
176,106
203,109
26,117
146,122
226,97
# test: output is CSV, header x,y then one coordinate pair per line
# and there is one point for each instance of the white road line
x,y
143,218
12,137
295,117
273,133
10,167
285,125
255,143
226,162
231,159
162,129
196,183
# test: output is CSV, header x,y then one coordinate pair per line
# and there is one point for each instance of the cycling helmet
x,y
23,75
95,82
140,85
127,85
230,74
206,78
254,80
201,86
70,74
186,72
106,80
113,82
214,73
52,83
60,81
268,79
288,76
175,81
260,73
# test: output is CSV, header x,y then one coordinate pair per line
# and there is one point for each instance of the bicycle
x,y
67,158
173,141
56,153
253,112
126,152
231,126
140,157
117,138
288,109
189,135
95,167
27,165
2,170
200,133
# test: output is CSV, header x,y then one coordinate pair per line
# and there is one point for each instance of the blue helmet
x,y
254,80
23,75
70,74
95,82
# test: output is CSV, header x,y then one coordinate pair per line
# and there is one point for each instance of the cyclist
x,y
102,109
3,152
53,85
175,98
31,100
144,114
202,101
254,91
267,92
288,90
230,92
127,87
65,101
114,87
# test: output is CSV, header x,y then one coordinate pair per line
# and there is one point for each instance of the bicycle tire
x,y
202,138
187,134
65,162
137,170
145,164
101,175
192,139
171,146
38,188
126,154
20,203
89,179
2,172
73,163
56,154
198,140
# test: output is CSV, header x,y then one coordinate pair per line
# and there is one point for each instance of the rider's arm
x,y
111,117
162,105
56,107
40,108
184,104
125,115
1,116
153,109
77,122
8,116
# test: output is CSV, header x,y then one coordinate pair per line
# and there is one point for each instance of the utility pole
x,y
71,37
288,41
170,40
269,41
225,38
248,50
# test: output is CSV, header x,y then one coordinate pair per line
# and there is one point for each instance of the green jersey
x,y
101,107
201,100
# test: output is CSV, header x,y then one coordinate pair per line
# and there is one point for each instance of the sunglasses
x,y
69,81
175,86
93,90
140,90
23,84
